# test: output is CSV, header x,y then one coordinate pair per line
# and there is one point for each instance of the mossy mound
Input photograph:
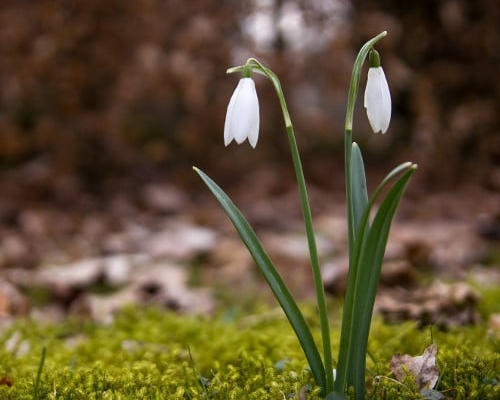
x,y
151,354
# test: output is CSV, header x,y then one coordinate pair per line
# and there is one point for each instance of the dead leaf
x,y
5,381
422,368
441,304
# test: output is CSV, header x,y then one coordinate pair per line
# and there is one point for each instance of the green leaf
x,y
361,265
358,195
39,373
369,257
358,184
273,279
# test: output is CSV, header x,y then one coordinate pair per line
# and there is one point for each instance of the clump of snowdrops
x,y
367,231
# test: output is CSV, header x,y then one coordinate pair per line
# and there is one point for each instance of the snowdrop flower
x,y
242,117
377,96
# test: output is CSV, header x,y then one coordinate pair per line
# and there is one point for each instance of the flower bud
x,y
242,117
378,100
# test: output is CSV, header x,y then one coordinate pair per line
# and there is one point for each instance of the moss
x,y
468,359
490,300
151,354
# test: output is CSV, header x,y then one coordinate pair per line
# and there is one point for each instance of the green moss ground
x,y
152,354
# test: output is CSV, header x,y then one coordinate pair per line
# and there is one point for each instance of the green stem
x,y
346,336
351,102
347,315
311,240
316,268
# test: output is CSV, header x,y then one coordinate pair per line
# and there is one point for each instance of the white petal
x,y
228,131
378,100
242,117
253,117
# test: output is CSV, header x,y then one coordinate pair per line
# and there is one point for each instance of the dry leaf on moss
x,y
422,368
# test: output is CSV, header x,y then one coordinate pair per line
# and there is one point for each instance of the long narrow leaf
x,y
358,184
370,261
350,335
397,170
273,278
358,194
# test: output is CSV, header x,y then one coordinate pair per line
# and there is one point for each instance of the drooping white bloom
x,y
242,117
378,100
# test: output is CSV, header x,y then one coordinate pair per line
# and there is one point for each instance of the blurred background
x,y
102,101
126,90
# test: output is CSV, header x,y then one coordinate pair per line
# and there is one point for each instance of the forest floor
x,y
64,251
68,255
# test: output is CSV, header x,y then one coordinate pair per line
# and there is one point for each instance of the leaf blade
x,y
369,260
273,279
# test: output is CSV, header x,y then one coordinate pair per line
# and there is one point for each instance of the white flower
x,y
242,117
378,100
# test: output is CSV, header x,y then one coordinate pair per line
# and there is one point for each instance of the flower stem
x,y
356,73
347,334
307,216
316,268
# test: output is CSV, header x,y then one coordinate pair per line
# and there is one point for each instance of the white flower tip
x,y
377,100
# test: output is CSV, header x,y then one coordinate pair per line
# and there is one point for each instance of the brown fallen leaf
x,y
422,368
5,381
441,304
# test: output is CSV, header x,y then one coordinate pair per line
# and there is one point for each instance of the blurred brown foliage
x,y
444,67
100,88
123,88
